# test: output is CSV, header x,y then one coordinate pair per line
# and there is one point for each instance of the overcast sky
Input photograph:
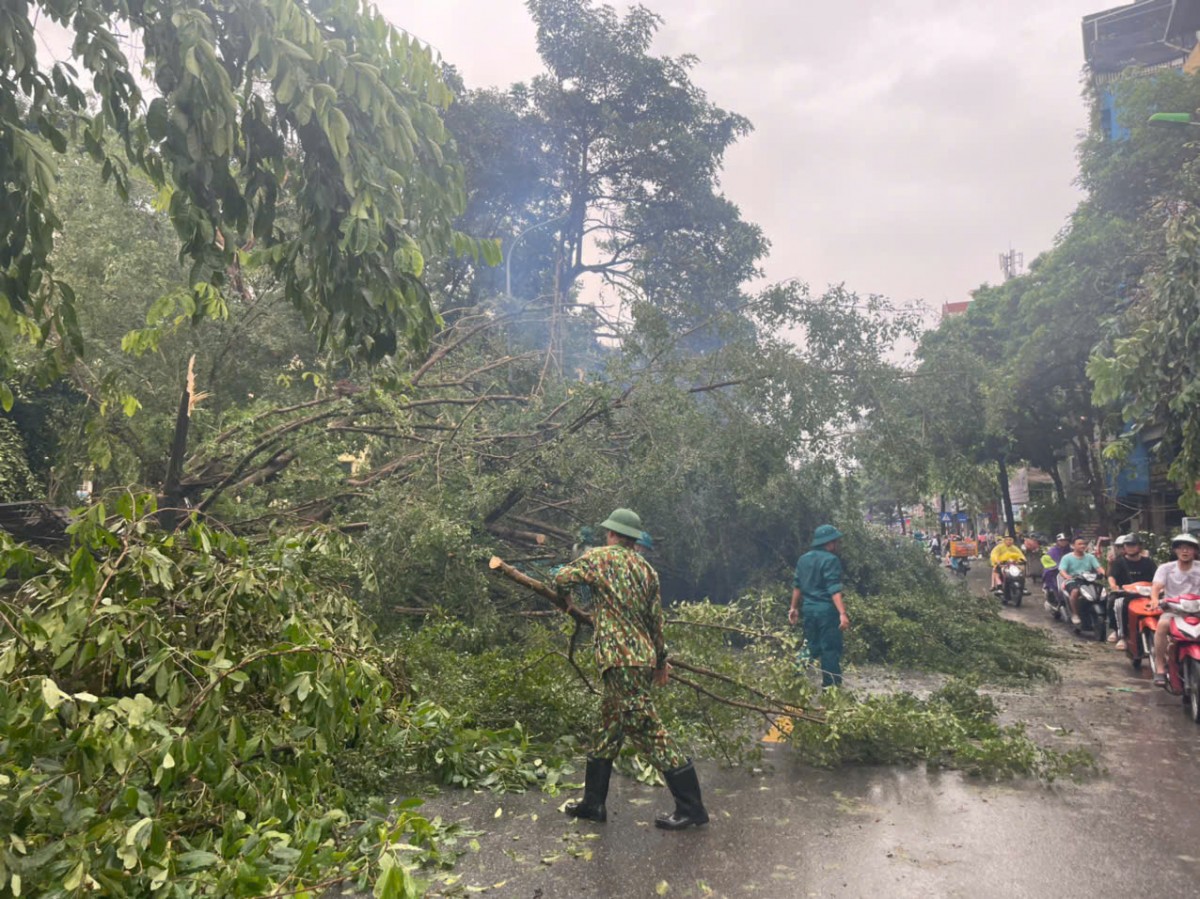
x,y
898,147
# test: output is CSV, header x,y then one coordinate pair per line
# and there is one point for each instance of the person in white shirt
x,y
1173,579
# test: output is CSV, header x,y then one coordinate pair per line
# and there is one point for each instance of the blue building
x,y
1147,36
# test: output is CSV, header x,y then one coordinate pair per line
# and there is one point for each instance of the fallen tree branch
x,y
716,675
760,635
554,653
565,605
540,527
770,713
517,536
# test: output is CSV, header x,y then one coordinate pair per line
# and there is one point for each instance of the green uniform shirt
x,y
626,606
818,577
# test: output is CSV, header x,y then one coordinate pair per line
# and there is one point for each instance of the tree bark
x,y
1006,496
1094,477
1060,493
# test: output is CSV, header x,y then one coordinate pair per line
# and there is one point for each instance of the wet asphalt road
x,y
792,831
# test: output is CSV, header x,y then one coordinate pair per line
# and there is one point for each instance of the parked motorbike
x,y
1012,583
1183,660
1142,623
1093,602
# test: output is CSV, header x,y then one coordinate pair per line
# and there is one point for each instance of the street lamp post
x,y
512,246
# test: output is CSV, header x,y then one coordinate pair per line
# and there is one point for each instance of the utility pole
x,y
1012,263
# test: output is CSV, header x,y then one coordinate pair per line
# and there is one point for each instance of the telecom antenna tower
x,y
1011,263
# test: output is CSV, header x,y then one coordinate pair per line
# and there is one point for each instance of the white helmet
x,y
1122,540
1185,538
1062,537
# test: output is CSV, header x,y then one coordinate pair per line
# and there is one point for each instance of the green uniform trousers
x,y
824,637
627,711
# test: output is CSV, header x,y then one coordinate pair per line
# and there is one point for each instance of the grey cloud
x,y
898,147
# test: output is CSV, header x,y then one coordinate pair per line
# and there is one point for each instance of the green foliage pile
x,y
525,676
954,728
951,633
173,708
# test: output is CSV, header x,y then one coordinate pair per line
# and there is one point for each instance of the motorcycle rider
x,y
1170,580
1079,561
1129,567
1061,547
1004,552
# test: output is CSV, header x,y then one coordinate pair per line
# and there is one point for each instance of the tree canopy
x,y
303,138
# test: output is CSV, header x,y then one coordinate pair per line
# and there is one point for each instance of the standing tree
x,y
635,150
309,132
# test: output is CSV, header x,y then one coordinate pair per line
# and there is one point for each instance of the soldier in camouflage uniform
x,y
632,657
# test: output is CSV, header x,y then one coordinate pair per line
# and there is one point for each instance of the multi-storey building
x,y
1147,35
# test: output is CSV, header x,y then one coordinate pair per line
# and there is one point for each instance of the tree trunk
x,y
1060,493
1094,477
942,511
1006,497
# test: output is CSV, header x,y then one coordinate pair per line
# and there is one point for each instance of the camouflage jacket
x,y
626,606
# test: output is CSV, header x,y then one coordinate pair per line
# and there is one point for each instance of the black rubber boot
x,y
689,810
595,792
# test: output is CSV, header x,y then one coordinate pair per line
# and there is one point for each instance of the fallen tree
x,y
744,669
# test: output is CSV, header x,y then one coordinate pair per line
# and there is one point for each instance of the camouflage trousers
x,y
627,711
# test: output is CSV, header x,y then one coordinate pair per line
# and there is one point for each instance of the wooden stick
x,y
561,603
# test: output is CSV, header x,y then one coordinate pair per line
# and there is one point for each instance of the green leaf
x,y
52,696
138,835
196,860
191,63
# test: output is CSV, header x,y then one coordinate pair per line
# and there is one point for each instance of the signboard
x,y
963,549
1018,487
963,517
947,518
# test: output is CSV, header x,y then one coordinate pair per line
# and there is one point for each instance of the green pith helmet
x,y
826,533
624,522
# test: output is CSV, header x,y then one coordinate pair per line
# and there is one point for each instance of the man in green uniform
x,y
818,582
632,657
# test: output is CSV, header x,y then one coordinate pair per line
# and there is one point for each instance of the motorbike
x,y
1012,583
1050,585
1183,660
959,566
1093,603
1142,623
